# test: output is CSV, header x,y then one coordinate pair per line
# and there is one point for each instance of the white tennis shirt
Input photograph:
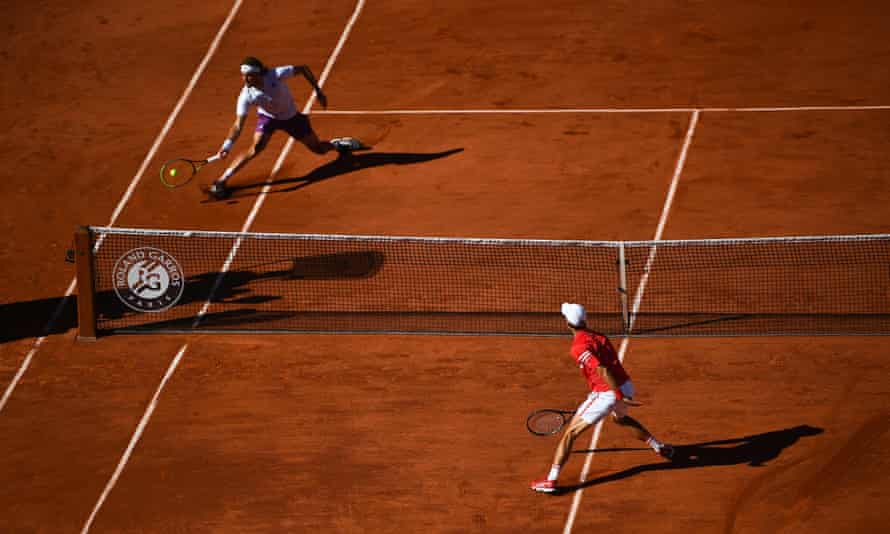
x,y
274,99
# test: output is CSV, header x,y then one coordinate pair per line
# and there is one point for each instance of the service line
x,y
516,111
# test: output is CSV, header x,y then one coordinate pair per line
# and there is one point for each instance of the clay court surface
x,y
300,433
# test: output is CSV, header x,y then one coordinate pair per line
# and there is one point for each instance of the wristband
x,y
227,145
618,394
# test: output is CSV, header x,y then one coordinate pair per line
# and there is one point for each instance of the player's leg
x,y
300,129
316,145
621,418
343,145
635,426
575,428
642,434
595,407
260,140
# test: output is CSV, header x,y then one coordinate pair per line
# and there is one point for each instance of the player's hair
x,y
254,62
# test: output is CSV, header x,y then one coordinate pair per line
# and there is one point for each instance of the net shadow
x,y
242,287
29,319
690,324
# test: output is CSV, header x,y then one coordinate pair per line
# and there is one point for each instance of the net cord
x,y
102,230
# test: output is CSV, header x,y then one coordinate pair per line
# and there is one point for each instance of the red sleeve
x,y
589,356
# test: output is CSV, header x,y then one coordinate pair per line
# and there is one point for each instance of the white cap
x,y
574,313
250,69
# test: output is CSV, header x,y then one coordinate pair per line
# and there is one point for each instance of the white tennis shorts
x,y
600,403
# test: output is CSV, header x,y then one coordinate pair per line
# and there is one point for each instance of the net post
x,y
622,288
86,285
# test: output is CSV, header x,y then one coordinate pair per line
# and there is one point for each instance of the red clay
x,y
425,434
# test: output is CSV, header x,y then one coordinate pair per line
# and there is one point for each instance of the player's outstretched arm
x,y
232,136
307,73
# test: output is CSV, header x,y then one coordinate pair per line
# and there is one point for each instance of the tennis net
x,y
188,281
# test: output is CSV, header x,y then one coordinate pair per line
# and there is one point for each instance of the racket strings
x,y
177,172
546,422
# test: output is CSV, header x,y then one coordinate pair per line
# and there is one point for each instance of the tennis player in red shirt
x,y
611,391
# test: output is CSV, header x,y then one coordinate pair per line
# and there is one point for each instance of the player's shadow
x,y
344,164
754,450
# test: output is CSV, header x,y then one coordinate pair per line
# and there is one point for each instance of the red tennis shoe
x,y
542,485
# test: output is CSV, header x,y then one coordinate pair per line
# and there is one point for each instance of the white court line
x,y
659,230
182,99
135,439
622,350
799,108
247,224
599,110
47,330
267,186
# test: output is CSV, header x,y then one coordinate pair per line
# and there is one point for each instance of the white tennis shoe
x,y
345,144
218,191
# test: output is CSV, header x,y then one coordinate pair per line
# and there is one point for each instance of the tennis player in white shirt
x,y
266,89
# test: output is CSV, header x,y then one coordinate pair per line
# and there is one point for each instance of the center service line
x,y
622,350
267,186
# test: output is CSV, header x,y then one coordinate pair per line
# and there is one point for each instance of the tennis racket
x,y
180,171
547,422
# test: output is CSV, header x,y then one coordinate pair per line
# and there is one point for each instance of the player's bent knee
x,y
578,429
259,144
315,145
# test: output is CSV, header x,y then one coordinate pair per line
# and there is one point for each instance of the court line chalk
x,y
622,350
267,186
140,428
50,325
544,111
245,227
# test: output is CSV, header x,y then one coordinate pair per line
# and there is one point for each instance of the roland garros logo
x,y
148,279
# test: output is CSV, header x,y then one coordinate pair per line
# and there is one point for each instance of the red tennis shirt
x,y
591,349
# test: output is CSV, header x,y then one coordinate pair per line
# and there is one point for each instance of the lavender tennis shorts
x,y
297,126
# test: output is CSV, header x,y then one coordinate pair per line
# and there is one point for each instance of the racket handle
x,y
213,158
